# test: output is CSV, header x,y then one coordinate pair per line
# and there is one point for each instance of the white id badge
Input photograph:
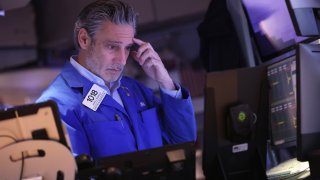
x,y
94,97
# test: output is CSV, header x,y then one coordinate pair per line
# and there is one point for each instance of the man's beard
x,y
95,68
94,65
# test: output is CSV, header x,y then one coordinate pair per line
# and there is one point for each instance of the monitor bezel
x,y
154,163
244,85
22,112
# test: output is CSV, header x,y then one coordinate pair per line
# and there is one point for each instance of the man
x,y
105,112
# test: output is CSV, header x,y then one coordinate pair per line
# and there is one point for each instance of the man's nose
x,y
122,56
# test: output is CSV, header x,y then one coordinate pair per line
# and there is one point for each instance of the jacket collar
x,y
75,80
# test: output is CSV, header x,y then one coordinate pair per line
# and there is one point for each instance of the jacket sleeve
x,y
178,119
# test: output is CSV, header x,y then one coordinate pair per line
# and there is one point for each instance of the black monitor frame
x,y
223,89
171,162
30,122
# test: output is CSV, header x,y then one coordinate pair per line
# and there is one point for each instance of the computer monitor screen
x,y
308,100
32,121
282,102
171,162
224,158
271,27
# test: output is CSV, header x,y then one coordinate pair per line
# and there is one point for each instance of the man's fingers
x,y
138,41
146,54
140,59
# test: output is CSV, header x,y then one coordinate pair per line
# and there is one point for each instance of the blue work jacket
x,y
145,121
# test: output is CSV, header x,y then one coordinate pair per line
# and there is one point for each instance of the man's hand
x,y
152,65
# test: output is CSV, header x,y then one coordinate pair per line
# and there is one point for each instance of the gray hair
x,y
93,15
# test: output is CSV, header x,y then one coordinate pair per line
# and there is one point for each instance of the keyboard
x,y
287,168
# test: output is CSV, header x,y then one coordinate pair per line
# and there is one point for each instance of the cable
x,y
22,166
8,136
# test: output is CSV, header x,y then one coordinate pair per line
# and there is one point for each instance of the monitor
x,y
271,28
308,100
170,162
32,121
282,102
305,16
33,145
226,157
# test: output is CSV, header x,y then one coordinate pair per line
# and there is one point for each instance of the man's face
x,y
109,51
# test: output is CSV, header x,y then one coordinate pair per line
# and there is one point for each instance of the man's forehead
x,y
127,42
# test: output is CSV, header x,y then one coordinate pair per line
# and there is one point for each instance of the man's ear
x,y
84,39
